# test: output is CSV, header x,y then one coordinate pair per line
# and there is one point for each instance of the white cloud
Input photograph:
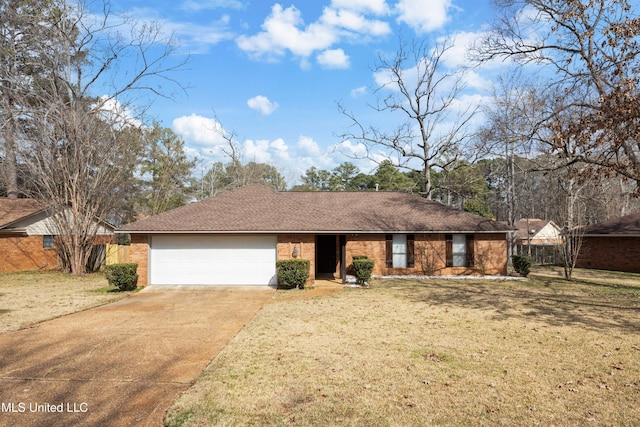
x,y
257,151
461,44
444,79
466,104
475,80
457,54
285,31
308,146
118,114
280,150
281,32
423,19
200,131
262,104
333,58
265,151
358,92
189,37
377,7
355,22
349,149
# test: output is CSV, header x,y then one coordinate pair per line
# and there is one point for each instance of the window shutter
x,y
410,251
470,250
449,248
389,250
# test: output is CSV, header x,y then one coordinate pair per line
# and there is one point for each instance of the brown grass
x,y
31,297
433,352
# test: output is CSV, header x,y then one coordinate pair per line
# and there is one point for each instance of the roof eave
x,y
20,230
22,218
312,231
636,234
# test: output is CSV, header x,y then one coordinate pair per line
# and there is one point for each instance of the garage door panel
x,y
213,260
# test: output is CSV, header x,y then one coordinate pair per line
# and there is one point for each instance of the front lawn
x,y
434,352
31,297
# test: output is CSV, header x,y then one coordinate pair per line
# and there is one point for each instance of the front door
x,y
326,254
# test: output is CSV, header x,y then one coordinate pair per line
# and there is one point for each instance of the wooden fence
x,y
117,254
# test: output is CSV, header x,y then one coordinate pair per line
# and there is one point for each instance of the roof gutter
x,y
13,231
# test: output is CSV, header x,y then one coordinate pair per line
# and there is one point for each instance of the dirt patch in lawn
x,y
32,297
431,352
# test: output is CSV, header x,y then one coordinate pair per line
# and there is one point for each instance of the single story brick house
x,y
236,237
27,236
612,245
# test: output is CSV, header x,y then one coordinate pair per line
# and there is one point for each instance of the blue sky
x,y
273,72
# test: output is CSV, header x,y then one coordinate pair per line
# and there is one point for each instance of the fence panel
x,y
117,254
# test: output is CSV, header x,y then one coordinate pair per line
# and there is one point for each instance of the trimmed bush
x,y
123,276
522,264
362,268
293,273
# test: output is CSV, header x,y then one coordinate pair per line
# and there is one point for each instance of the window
x,y
47,242
460,250
400,249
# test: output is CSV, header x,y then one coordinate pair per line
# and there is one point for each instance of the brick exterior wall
x,y
370,245
610,253
306,244
490,254
430,255
25,253
139,253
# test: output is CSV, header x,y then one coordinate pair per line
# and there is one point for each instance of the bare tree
x,y
513,125
83,141
237,172
418,86
574,222
589,51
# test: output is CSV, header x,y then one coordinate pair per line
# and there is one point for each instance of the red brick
x,y
139,253
610,253
25,253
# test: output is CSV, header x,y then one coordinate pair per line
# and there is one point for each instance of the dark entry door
x,y
326,254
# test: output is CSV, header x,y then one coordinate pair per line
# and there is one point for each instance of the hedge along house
x,y
28,237
235,238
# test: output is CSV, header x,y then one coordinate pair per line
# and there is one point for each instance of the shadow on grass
x,y
600,286
545,300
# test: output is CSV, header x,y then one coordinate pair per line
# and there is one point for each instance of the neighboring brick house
x,y
539,239
612,245
27,236
236,237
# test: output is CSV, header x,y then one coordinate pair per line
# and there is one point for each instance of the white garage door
x,y
213,260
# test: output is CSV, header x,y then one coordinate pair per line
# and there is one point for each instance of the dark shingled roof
x,y
12,210
257,208
622,226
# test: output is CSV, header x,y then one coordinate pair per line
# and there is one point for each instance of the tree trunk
x,y
10,165
427,182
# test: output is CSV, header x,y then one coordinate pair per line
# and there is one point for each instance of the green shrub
x,y
293,273
522,264
362,268
123,276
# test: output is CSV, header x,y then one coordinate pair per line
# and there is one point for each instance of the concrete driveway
x,y
121,364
